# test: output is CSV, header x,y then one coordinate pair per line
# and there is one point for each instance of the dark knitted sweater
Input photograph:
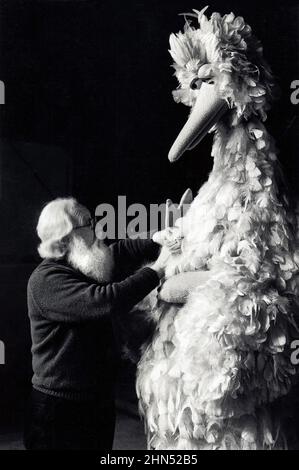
x,y
74,320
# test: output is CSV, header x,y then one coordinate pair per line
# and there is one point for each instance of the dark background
x,y
89,113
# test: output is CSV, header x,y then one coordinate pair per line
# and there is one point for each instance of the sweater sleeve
x,y
61,296
132,254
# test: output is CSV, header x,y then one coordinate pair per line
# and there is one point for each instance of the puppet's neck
x,y
238,149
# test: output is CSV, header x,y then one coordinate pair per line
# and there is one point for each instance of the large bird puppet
x,y
221,355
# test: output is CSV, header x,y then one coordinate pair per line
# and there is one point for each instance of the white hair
x,y
56,222
94,261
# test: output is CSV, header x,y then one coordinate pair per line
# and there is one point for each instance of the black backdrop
x,y
89,112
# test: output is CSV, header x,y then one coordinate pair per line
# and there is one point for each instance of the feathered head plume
x,y
222,51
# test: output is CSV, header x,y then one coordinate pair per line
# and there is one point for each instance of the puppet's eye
x,y
195,83
206,74
209,80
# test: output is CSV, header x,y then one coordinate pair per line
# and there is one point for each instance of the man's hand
x,y
161,262
171,238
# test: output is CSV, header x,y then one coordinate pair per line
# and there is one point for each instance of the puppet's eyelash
x,y
195,84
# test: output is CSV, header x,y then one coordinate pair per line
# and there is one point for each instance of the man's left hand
x,y
169,237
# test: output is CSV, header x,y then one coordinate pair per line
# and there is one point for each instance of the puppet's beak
x,y
207,110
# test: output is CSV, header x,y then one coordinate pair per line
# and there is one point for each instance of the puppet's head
x,y
221,70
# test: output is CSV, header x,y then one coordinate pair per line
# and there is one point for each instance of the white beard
x,y
95,262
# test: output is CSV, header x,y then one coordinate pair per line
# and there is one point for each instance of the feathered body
x,y
216,363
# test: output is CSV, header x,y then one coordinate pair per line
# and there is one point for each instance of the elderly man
x,y
75,297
